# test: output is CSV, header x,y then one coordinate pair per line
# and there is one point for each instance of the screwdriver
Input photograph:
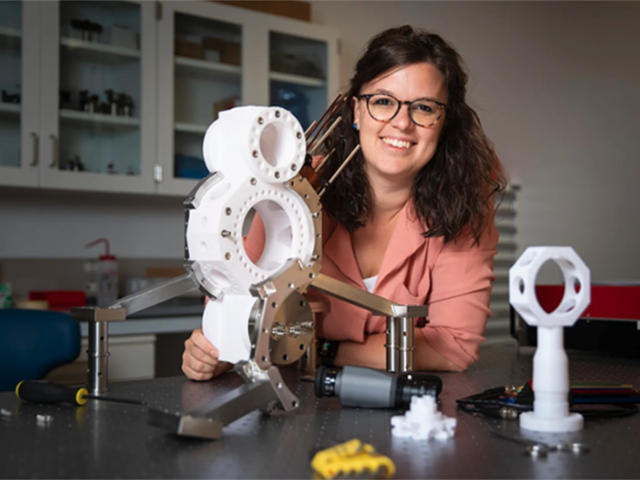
x,y
41,391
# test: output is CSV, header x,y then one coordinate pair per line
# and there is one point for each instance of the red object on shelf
x,y
608,301
60,300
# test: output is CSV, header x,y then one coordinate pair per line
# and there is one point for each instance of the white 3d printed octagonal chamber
x,y
253,153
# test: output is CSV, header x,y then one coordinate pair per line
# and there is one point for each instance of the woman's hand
x,y
200,358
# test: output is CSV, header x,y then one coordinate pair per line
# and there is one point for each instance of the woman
x,y
411,217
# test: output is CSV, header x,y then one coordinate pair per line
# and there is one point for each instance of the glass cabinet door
x,y
19,139
298,69
94,116
207,81
200,79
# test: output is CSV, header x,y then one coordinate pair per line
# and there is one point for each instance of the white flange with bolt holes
x,y
550,362
254,152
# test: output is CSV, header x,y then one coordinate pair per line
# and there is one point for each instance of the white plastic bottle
x,y
107,275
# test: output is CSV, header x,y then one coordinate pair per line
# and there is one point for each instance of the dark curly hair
x,y
453,192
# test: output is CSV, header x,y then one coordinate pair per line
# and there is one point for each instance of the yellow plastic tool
x,y
350,459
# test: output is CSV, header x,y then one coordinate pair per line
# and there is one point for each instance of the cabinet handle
x,y
36,149
54,145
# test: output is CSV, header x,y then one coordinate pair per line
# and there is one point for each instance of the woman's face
x,y
398,149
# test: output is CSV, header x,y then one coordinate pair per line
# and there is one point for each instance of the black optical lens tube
x,y
325,384
369,388
416,384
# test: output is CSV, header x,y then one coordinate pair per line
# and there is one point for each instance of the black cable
x,y
491,403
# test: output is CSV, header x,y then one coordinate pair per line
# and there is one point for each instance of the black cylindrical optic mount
x,y
369,388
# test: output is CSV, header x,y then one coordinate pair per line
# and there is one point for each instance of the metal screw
x,y
294,167
299,135
292,286
225,233
315,214
277,113
260,120
277,174
227,256
228,211
315,257
255,154
44,419
253,181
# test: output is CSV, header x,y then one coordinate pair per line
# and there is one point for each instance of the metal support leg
x,y
392,344
208,421
98,354
406,348
264,389
400,345
99,318
309,361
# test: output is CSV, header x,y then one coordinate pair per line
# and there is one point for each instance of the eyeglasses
x,y
383,108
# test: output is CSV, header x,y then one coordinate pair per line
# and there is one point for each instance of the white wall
x,y
556,84
42,224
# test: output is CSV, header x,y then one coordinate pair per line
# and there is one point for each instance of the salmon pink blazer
x,y
454,279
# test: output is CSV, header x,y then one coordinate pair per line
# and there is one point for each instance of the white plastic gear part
x,y
254,152
423,421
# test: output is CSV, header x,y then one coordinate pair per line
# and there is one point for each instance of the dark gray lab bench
x,y
110,440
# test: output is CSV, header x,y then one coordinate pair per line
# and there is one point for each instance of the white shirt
x,y
370,283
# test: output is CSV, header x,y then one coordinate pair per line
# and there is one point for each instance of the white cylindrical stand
x,y
550,363
551,380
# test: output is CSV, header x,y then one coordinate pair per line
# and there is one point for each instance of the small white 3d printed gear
x,y
423,421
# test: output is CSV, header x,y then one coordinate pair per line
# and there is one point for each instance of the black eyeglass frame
x,y
367,97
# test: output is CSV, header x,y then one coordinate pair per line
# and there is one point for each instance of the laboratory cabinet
x,y
78,98
117,96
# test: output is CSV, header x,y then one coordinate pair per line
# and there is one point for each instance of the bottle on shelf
x,y
107,275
